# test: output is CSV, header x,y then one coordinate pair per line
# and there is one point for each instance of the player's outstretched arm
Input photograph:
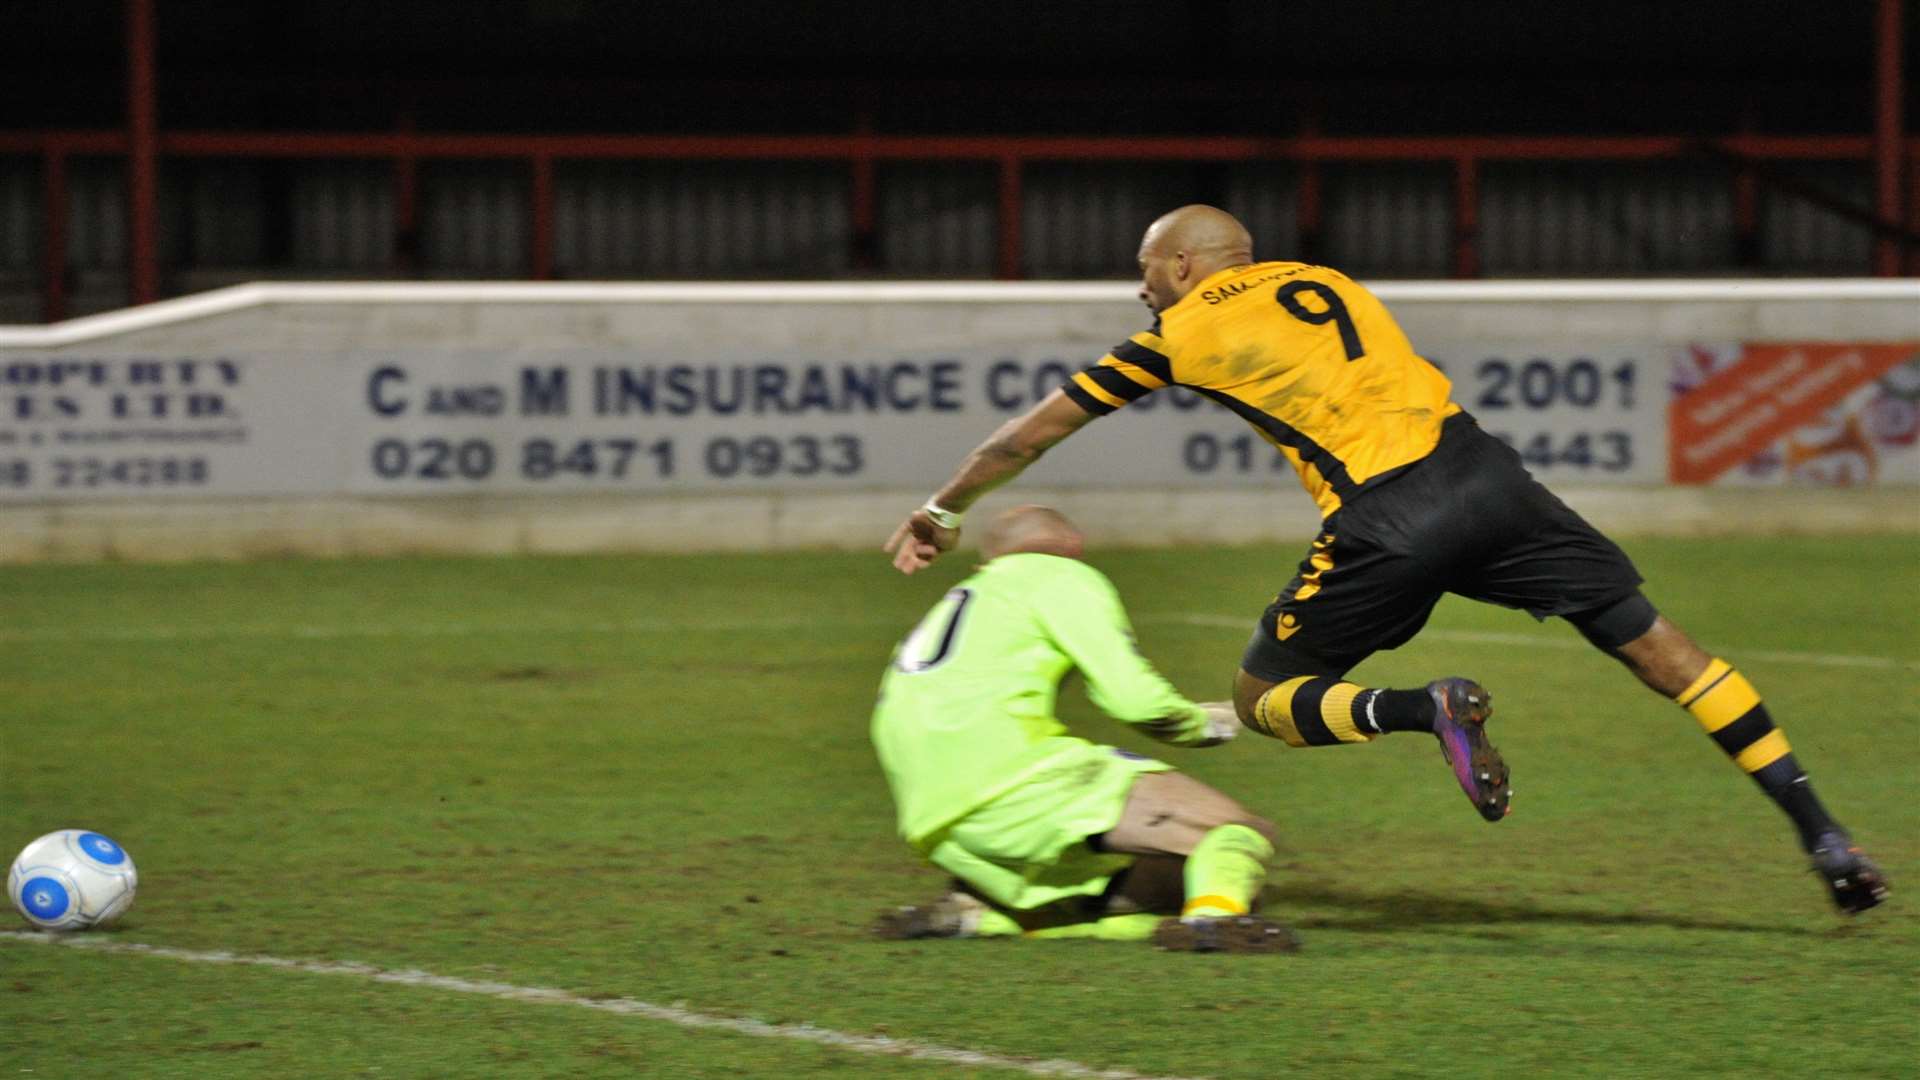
x,y
935,528
1084,616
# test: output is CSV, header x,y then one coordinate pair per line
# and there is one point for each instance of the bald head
x,y
1038,529
1185,245
1201,231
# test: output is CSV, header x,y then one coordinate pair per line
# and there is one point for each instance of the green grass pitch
x,y
649,778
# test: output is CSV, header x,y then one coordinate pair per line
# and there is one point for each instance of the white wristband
x,y
946,519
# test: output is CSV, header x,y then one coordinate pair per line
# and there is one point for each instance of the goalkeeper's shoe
x,y
1234,934
953,915
1856,883
1460,711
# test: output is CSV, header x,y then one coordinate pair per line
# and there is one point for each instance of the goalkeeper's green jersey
x,y
966,709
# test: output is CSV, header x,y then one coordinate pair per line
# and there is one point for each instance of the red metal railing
x,y
1895,158
1889,93
861,153
143,164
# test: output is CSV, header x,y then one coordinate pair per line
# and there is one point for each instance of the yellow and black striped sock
x,y
1730,710
1321,711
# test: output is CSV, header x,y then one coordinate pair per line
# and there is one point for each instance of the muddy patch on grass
x,y
537,673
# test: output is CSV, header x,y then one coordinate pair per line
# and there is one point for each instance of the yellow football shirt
x,y
1304,354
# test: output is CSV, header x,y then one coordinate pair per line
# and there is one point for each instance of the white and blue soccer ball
x,y
71,880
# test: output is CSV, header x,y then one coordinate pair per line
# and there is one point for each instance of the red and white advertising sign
x,y
1807,412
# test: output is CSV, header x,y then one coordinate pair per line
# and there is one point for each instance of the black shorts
x,y
1466,519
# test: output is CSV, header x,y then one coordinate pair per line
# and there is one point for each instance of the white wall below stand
x,y
311,419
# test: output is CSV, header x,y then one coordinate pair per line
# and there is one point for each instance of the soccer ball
x,y
71,880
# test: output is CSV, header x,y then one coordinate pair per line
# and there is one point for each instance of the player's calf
x,y
1312,710
1730,709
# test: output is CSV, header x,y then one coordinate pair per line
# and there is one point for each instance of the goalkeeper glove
x,y
1223,722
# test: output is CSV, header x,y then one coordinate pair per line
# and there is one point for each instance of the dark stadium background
x,y
150,148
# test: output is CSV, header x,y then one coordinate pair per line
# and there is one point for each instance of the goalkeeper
x,y
1049,835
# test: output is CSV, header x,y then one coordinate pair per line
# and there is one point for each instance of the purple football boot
x,y
1461,708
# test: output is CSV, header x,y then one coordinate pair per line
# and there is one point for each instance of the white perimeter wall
x,y
436,328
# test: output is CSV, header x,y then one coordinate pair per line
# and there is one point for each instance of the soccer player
x,y
1416,501
1050,835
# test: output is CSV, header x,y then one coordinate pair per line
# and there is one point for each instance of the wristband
x,y
946,519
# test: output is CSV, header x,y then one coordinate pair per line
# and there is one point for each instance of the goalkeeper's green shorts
x,y
1027,848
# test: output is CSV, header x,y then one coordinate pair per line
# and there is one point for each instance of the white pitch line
x,y
671,1014
25,636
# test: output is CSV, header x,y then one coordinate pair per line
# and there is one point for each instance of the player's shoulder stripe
x,y
1146,352
1085,380
1084,393
1124,381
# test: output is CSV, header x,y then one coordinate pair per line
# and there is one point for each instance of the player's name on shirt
x,y
1234,288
